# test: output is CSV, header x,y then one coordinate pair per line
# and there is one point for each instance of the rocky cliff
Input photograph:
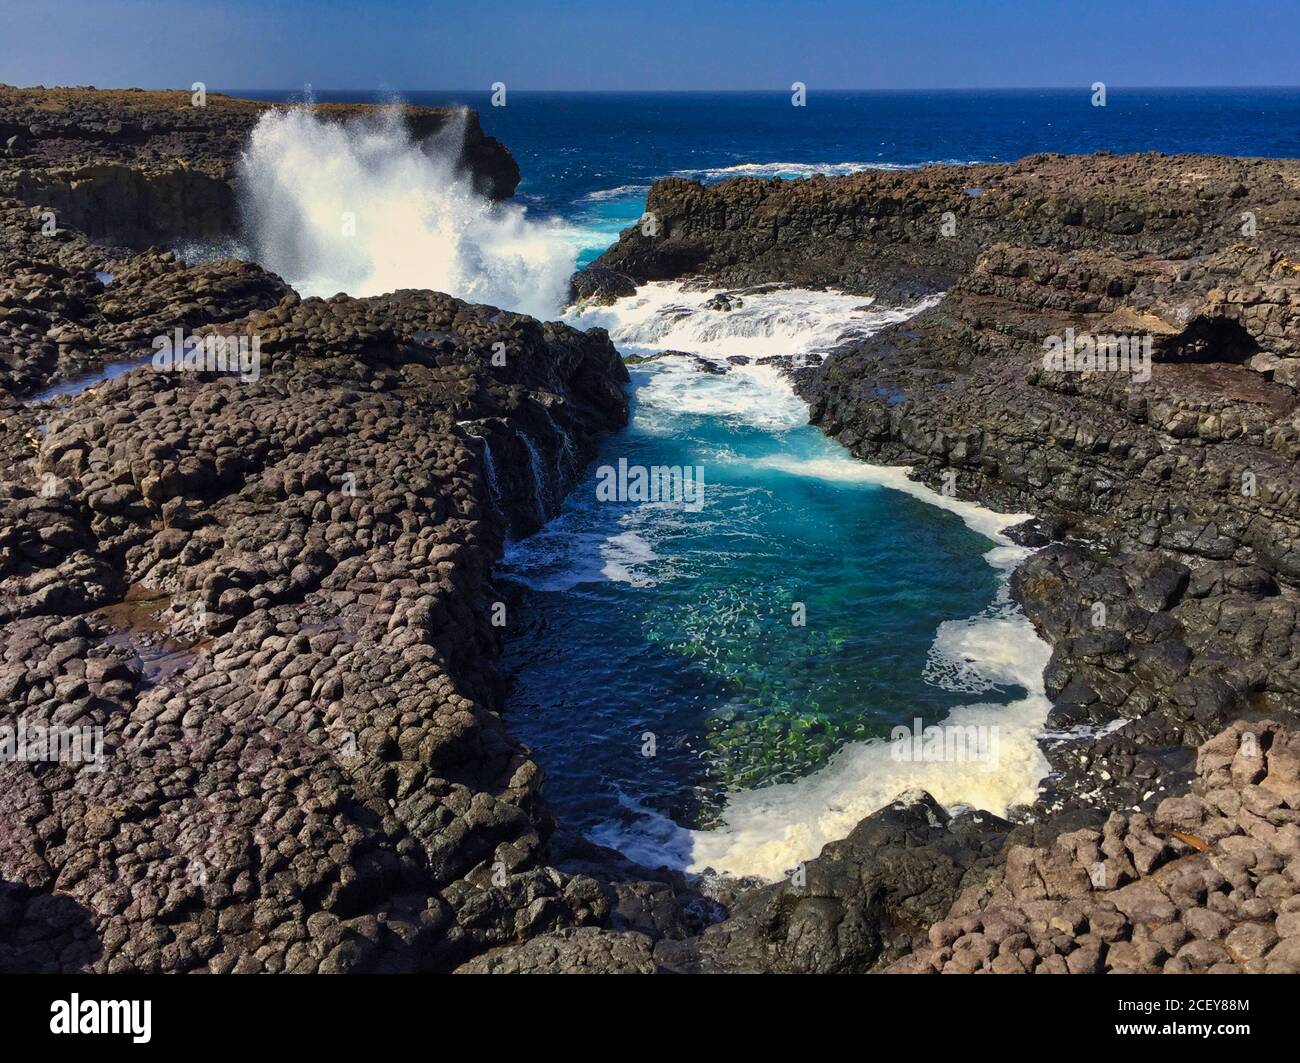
x,y
150,168
901,234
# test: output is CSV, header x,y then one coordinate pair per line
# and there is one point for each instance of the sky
x,y
650,45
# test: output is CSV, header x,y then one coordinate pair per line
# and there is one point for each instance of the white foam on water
x,y
788,169
361,208
807,169
574,549
627,558
664,316
844,468
768,831
754,395
771,323
602,195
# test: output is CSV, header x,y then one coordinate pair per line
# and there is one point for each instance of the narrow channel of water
x,y
712,686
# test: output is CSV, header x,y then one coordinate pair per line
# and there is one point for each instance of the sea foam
x,y
361,208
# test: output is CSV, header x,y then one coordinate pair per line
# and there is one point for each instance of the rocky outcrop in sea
x,y
273,599
257,605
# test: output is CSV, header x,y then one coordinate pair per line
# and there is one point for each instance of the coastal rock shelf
x,y
319,780
327,785
59,319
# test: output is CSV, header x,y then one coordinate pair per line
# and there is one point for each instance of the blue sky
x,y
652,44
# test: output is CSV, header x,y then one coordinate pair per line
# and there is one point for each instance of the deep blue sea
x,y
717,685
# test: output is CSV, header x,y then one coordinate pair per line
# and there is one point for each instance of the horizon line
x,y
811,89
667,92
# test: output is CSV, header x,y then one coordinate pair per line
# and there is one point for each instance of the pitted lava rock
x,y
1209,882
67,306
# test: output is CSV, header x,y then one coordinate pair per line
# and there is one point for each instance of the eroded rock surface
x,y
68,306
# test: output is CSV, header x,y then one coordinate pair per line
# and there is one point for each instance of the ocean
x,y
721,686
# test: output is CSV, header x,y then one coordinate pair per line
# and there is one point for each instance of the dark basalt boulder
x,y
599,286
864,902
1207,882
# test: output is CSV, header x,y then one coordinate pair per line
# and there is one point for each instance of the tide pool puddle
x,y
140,625
714,687
76,385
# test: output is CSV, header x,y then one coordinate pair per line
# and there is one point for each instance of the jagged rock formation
x,y
900,234
1208,881
865,901
143,168
67,306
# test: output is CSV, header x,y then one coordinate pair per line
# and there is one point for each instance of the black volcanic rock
x,y
601,286
274,598
67,305
863,903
